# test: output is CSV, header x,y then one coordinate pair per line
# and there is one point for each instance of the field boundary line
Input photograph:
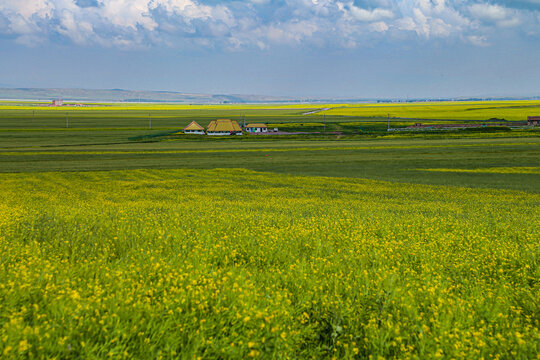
x,y
33,153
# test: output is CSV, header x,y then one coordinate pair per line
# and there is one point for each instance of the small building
x,y
57,102
533,120
194,128
256,128
223,127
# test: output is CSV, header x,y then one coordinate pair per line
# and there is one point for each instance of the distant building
x,y
256,128
194,128
57,102
533,120
223,127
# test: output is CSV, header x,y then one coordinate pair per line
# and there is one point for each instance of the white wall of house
x,y
218,133
256,130
221,133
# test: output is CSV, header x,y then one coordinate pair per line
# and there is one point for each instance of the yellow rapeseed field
x,y
167,264
454,110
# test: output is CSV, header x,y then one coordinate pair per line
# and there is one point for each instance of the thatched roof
x,y
193,126
223,125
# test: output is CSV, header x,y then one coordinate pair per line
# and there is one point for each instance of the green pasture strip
x,y
499,170
382,147
103,140
464,134
389,158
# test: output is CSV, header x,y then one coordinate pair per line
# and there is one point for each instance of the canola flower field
x,y
232,263
477,110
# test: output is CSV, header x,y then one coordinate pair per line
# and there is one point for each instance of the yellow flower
x,y
7,350
23,345
253,353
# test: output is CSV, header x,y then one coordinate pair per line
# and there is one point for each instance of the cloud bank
x,y
261,23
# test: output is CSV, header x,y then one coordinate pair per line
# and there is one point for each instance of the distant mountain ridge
x,y
122,95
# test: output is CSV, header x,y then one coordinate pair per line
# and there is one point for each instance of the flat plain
x,y
120,241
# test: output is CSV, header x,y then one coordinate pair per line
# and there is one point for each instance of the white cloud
x,y
22,18
78,31
27,9
406,23
189,10
488,12
240,24
292,32
431,18
370,15
495,14
128,13
379,26
478,40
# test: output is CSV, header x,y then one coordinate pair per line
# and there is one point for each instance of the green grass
x,y
235,264
391,159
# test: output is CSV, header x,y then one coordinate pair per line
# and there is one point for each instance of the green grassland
x,y
122,242
392,159
238,264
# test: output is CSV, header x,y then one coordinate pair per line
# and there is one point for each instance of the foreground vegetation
x,y
191,263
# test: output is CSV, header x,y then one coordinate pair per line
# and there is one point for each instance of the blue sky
x,y
302,48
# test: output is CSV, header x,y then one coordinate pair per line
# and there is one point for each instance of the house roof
x,y
193,126
256,125
223,125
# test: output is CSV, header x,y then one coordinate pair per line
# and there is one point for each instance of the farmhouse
x,y
57,102
256,128
223,127
194,128
533,120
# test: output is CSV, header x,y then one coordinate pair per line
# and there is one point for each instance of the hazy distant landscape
x,y
120,95
130,96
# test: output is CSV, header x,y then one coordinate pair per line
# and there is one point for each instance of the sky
x,y
300,48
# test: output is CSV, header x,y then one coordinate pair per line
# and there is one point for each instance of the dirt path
x,y
315,111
